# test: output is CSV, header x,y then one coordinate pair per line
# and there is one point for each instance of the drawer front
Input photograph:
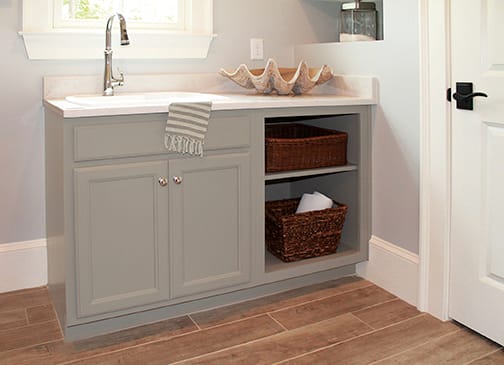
x,y
115,137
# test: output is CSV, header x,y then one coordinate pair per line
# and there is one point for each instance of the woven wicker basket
x,y
293,146
292,237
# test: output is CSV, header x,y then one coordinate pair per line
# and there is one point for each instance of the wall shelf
x,y
308,172
345,253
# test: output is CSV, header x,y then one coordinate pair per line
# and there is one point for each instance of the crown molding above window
x,y
43,42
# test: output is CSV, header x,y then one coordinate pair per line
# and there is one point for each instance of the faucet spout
x,y
109,81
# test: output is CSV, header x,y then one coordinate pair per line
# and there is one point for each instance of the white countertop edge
x,y
341,90
234,102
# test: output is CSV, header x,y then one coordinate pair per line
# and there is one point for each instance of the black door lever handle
x,y
464,95
460,97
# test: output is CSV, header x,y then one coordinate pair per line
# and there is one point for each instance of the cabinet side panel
x,y
55,212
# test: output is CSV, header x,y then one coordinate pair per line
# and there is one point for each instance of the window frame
x,y
45,42
59,23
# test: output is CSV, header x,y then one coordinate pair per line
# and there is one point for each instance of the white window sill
x,y
78,44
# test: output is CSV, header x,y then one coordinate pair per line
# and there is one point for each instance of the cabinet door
x,y
209,223
121,215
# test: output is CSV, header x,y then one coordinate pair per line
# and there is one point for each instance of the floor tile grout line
x,y
376,305
230,347
269,295
268,313
225,349
322,298
193,321
360,320
11,310
325,347
354,313
264,338
158,340
14,327
283,308
369,284
278,322
483,356
349,312
5,308
121,349
199,330
231,322
273,311
153,341
255,340
349,339
420,314
416,346
86,358
22,348
62,333
19,326
31,346
33,324
166,339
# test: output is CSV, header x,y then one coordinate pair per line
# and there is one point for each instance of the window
x,y
158,29
143,14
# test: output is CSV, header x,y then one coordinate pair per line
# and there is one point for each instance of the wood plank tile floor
x,y
345,321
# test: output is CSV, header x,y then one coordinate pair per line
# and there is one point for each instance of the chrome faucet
x,y
109,81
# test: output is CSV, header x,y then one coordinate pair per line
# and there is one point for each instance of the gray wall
x,y
282,24
396,132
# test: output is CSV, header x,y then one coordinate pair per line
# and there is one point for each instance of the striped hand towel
x,y
186,127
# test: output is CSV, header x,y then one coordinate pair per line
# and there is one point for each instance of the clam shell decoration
x,y
283,81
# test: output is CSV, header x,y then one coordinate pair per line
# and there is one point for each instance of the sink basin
x,y
151,98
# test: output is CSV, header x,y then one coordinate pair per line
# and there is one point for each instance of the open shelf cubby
x,y
347,184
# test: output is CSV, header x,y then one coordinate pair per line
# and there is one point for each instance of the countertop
x,y
341,91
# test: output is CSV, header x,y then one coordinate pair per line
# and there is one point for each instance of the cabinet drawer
x,y
114,137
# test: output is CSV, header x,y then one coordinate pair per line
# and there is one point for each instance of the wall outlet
x,y
256,49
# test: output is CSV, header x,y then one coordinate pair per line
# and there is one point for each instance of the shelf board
x,y
273,264
309,172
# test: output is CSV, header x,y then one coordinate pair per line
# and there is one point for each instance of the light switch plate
x,y
256,49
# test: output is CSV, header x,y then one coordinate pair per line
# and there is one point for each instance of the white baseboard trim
x,y
23,265
392,268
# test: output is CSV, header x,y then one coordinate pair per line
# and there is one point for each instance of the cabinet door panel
x,y
210,223
121,237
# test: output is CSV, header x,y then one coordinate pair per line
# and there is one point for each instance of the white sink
x,y
151,98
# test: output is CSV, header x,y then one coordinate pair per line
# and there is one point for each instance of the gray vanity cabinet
x,y
126,236
137,234
209,222
121,236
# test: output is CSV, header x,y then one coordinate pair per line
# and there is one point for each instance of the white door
x,y
477,237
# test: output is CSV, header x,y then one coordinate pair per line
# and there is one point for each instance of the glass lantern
x,y
358,21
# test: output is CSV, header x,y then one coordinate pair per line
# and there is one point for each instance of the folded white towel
x,y
315,201
186,127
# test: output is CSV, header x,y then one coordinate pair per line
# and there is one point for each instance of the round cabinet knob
x,y
163,181
177,180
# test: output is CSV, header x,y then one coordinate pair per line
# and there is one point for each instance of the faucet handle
x,y
119,81
121,75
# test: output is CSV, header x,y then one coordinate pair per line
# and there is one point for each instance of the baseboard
x,y
23,265
392,268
